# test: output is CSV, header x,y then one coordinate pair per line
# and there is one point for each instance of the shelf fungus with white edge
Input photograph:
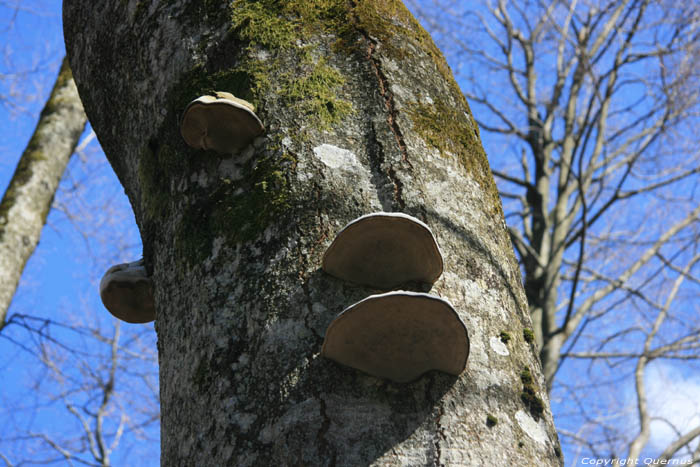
x,y
127,293
399,336
222,123
384,250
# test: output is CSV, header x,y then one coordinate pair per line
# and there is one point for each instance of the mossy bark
x,y
347,91
28,197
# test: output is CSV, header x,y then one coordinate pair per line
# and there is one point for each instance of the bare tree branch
x,y
26,202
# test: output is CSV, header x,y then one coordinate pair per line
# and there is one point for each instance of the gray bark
x,y
362,115
28,198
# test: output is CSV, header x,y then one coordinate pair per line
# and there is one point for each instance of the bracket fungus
x,y
127,292
399,336
384,250
222,123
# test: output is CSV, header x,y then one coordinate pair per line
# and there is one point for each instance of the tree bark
x,y
362,115
28,198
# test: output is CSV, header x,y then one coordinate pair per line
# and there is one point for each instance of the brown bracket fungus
x,y
399,336
127,292
222,123
384,250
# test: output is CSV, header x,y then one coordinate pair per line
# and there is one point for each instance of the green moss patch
x,y
393,24
264,197
239,211
491,421
529,395
311,86
505,337
273,24
445,128
450,131
314,95
528,335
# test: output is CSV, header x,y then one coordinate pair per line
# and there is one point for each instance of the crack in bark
x,y
303,260
398,187
392,114
377,160
307,317
387,95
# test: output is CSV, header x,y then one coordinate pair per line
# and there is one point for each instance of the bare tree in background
x,y
597,104
98,385
95,383
27,200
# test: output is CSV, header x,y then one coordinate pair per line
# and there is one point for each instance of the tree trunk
x,y
362,115
28,197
